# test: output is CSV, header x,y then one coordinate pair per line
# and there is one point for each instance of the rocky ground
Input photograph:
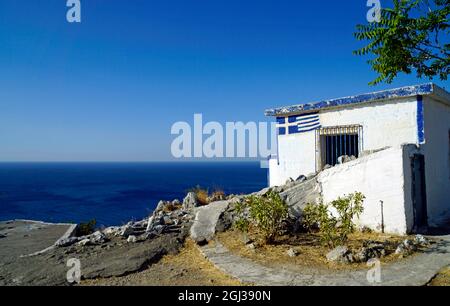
x,y
157,250
187,268
110,252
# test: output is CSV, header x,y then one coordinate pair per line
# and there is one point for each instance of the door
x,y
419,196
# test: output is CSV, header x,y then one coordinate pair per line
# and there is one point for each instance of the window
x,y
334,142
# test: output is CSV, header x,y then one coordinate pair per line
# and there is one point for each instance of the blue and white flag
x,y
298,124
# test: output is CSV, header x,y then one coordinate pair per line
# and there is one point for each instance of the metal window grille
x,y
334,142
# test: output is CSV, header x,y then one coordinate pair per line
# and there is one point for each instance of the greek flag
x,y
298,124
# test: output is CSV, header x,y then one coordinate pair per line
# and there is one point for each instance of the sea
x,y
113,193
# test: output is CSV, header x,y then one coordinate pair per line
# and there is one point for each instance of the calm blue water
x,y
112,193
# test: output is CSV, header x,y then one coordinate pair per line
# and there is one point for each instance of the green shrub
x,y
86,228
266,213
334,228
242,223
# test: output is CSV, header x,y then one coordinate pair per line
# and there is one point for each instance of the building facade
x,y
393,145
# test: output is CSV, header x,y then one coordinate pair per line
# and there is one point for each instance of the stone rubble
x,y
292,252
168,217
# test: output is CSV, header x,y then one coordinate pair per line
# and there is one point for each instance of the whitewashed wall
x,y
296,155
437,160
380,177
385,123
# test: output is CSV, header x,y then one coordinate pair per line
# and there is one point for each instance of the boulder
x,y
299,195
204,227
406,247
84,242
125,230
92,239
67,242
150,223
97,238
421,240
131,239
340,254
190,201
111,231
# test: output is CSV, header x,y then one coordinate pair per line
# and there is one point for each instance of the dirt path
x,y
415,271
188,268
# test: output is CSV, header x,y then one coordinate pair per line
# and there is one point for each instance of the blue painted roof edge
x,y
407,91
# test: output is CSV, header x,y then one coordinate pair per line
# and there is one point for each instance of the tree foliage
x,y
413,35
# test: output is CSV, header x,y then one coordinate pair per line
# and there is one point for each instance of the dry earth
x,y
187,268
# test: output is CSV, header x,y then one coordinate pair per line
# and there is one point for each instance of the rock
x,y
300,179
2,236
166,220
251,246
245,239
190,201
158,229
176,202
421,240
150,223
160,206
362,255
343,159
84,242
409,244
125,230
111,231
289,180
289,183
299,195
204,227
131,239
292,252
368,251
401,250
264,191
97,238
340,254
67,241
406,247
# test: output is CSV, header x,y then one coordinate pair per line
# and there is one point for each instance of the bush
x,y
201,194
242,223
86,228
266,213
218,195
334,228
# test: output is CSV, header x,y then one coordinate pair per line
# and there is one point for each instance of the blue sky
x,y
110,88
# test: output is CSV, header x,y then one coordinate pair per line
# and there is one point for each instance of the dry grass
x,y
311,253
442,278
187,268
169,207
